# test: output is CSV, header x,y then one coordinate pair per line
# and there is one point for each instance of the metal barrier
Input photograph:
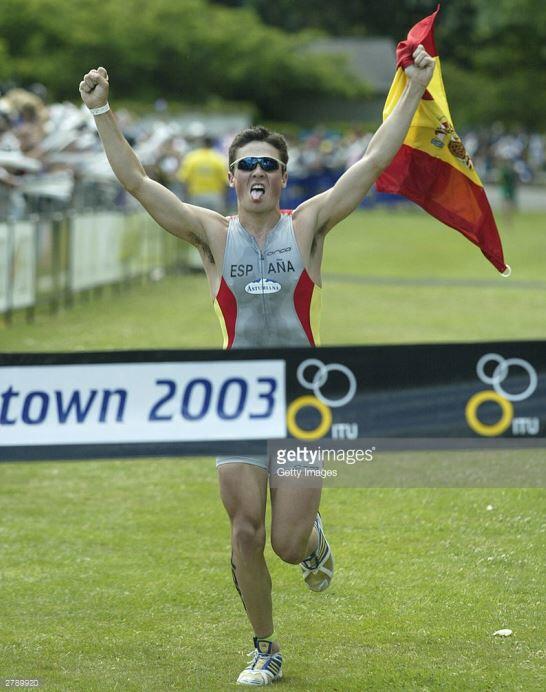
x,y
48,259
301,188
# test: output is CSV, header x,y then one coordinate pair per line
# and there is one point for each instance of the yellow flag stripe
x,y
422,138
435,89
431,129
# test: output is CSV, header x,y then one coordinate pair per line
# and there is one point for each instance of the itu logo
x,y
319,401
501,395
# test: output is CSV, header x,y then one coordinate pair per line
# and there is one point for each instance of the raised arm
x,y
323,212
183,220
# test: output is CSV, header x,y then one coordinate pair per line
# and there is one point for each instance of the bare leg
x,y
293,511
243,488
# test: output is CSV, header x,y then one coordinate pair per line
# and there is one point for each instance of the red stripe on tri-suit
x,y
228,305
302,303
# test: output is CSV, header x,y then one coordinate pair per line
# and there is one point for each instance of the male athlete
x,y
259,307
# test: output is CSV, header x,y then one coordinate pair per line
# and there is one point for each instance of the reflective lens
x,y
266,163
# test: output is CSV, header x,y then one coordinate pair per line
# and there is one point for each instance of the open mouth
x,y
257,191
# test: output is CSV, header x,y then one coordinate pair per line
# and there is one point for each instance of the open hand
x,y
94,88
423,66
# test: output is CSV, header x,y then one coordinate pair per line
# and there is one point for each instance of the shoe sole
x,y
258,684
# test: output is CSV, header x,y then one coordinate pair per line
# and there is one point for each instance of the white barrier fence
x,y
50,259
17,263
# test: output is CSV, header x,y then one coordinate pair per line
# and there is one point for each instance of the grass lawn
x,y
115,574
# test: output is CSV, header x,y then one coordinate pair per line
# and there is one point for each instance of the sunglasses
x,y
267,163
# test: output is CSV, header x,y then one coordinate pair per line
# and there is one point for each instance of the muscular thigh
x,y
293,511
243,489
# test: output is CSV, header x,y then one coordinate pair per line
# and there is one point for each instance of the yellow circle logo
x,y
471,413
296,406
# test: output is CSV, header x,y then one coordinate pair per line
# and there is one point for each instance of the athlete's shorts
x,y
257,460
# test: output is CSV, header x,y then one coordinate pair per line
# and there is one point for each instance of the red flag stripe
x,y
422,32
448,195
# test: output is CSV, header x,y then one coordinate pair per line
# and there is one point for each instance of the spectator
x,y
38,140
204,176
508,184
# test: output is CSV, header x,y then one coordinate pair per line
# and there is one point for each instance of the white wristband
x,y
100,109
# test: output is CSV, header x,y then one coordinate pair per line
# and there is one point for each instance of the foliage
x,y
497,61
494,51
4,66
511,40
352,17
166,48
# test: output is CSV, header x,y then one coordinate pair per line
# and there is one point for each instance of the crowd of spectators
x,y
51,158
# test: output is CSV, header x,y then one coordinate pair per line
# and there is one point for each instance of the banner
x,y
155,403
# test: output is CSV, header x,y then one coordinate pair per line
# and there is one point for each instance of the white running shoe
x,y
318,568
264,667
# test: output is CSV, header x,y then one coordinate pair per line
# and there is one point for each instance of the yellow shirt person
x,y
204,175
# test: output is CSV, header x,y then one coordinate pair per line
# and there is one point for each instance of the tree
x,y
352,17
182,50
493,51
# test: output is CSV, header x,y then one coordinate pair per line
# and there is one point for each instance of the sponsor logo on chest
x,y
261,286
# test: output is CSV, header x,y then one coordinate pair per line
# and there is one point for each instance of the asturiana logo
x,y
263,286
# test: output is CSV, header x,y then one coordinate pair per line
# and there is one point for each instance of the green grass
x,y
115,574
374,269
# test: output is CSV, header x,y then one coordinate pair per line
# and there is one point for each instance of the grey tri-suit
x,y
266,297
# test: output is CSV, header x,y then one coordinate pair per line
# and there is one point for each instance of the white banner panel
x,y
96,249
133,245
142,402
83,260
24,260
109,228
4,266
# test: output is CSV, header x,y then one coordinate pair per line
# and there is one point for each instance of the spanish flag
x,y
432,167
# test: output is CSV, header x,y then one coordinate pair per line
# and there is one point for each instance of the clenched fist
x,y
423,67
94,88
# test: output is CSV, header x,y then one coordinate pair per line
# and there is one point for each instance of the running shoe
x,y
318,568
263,667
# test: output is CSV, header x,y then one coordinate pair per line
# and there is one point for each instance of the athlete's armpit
x,y
306,226
201,246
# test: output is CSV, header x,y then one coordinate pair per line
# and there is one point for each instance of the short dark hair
x,y
258,134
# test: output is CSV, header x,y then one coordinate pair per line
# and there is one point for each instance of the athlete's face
x,y
258,190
